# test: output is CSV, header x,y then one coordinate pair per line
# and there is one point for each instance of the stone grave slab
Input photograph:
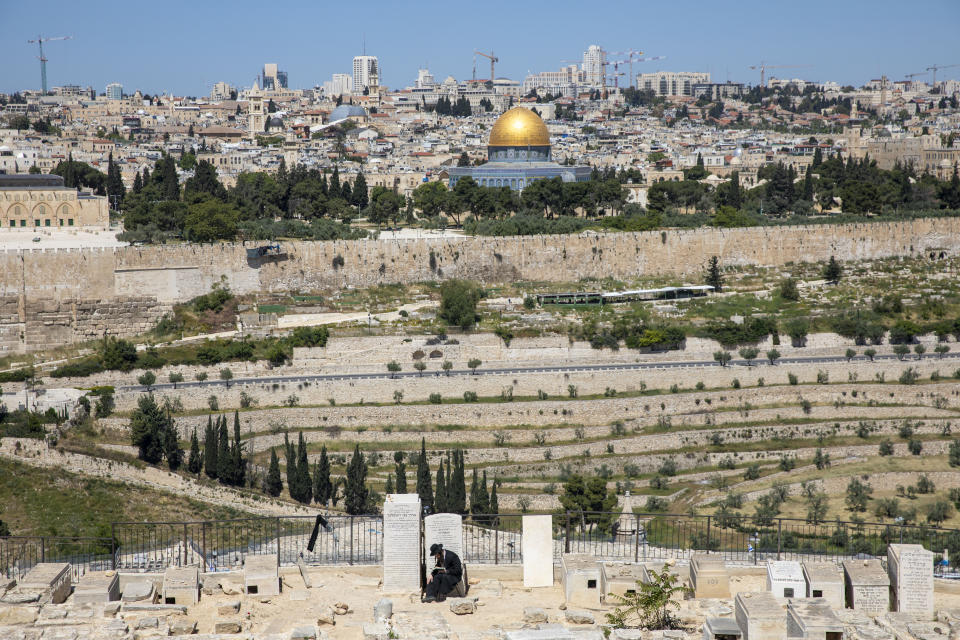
x,y
620,578
709,577
181,585
910,568
785,579
537,551
137,590
580,577
760,616
866,586
824,580
401,543
261,575
445,529
813,619
721,629
51,580
97,586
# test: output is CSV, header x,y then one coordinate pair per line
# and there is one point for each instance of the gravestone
x,y
537,551
910,568
709,577
181,585
580,576
261,575
97,586
721,629
621,579
760,616
813,619
445,529
785,579
824,580
401,543
50,580
866,586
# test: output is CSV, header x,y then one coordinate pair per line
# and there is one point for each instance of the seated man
x,y
446,574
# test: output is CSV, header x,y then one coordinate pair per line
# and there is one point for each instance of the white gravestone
x,y
867,586
445,529
785,579
824,580
401,543
537,551
911,578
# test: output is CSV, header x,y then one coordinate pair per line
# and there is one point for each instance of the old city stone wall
x,y
169,274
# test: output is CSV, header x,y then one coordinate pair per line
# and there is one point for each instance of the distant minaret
x,y
255,112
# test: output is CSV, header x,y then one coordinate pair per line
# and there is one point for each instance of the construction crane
x,y
493,60
43,61
764,66
630,53
936,67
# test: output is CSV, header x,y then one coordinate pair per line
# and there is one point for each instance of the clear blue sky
x,y
184,47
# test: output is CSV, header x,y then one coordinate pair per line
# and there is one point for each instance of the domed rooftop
x,y
519,127
345,111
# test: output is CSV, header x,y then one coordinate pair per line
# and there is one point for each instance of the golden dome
x,y
519,127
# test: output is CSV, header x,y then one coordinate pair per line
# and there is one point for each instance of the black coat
x,y
452,565
443,583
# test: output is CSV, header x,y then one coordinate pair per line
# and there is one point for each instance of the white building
x,y
221,91
114,91
672,83
425,79
563,82
363,68
340,84
594,63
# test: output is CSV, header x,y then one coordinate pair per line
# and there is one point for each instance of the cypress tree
x,y
171,443
400,471
475,494
291,461
360,196
355,492
137,182
195,462
458,482
146,176
389,488
224,461
440,495
424,488
210,450
334,189
304,486
237,461
322,488
273,485
494,502
484,495
168,175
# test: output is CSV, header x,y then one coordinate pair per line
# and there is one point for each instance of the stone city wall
x,y
175,273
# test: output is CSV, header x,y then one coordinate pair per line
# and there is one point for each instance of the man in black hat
x,y
446,574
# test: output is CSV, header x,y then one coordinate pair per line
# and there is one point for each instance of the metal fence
x,y
487,539
637,537
19,554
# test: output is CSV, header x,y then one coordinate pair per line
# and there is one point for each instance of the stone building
x,y
43,202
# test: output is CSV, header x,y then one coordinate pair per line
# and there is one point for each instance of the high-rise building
x,y
273,78
425,79
340,84
221,91
114,91
594,62
672,83
363,68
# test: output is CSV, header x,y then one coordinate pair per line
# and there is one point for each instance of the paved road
x,y
639,366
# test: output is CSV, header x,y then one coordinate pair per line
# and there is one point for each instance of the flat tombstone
x,y
580,575
445,529
51,579
261,575
824,580
620,578
866,586
97,586
785,579
181,585
537,551
401,543
721,629
709,577
910,568
760,616
813,618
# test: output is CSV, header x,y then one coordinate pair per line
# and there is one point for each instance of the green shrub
x,y
435,398
79,369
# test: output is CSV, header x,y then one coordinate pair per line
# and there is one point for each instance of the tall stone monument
x,y
401,543
537,551
910,568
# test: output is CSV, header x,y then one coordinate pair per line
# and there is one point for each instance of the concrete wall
x,y
175,273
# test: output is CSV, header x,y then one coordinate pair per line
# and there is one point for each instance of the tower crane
x,y
43,61
763,66
936,67
493,60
